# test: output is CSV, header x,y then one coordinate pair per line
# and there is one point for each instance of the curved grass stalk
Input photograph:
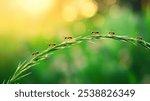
x,y
22,68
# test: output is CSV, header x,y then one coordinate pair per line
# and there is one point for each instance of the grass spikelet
x,y
21,70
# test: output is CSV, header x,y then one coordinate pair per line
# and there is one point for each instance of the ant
x,y
140,38
111,33
95,33
52,44
35,53
68,37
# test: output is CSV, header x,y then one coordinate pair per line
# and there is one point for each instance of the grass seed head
x,y
22,68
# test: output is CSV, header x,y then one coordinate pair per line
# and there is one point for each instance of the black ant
x,y
68,37
35,53
95,33
140,38
52,44
111,33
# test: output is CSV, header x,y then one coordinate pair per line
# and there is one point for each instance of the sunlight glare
x,y
89,8
35,7
69,13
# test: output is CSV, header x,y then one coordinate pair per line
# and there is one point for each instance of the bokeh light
x,y
27,26
34,7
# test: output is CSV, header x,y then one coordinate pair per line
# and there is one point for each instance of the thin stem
x,y
22,68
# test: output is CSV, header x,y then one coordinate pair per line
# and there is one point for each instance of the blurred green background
x,y
27,26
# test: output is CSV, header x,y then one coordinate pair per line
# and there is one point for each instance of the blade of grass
x,y
26,65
